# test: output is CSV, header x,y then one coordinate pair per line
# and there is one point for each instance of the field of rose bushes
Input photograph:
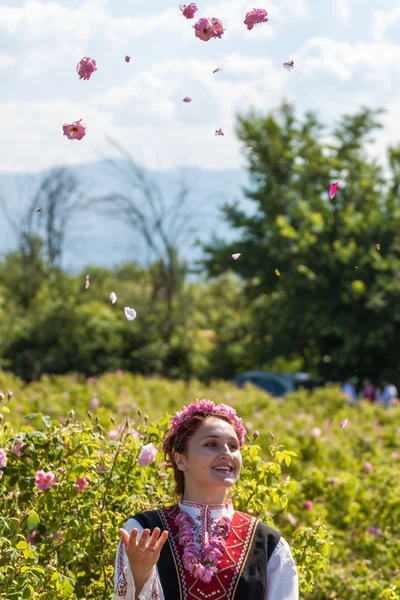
x,y
70,475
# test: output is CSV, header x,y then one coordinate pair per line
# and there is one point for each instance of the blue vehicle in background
x,y
279,384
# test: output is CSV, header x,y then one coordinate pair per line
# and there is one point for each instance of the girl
x,y
201,548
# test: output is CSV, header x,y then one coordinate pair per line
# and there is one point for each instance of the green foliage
x,y
335,303
302,474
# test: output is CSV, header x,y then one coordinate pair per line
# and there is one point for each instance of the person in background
x,y
368,390
349,390
389,394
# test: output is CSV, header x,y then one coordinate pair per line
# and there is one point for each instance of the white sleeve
x,y
282,577
124,585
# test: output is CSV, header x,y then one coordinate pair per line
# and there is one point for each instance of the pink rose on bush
x,y
316,432
95,402
82,482
16,449
3,459
147,455
374,531
44,481
367,467
31,536
308,504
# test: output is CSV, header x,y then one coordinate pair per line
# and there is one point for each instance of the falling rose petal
x,y
288,65
277,272
343,423
127,58
332,190
219,132
217,70
38,210
378,246
113,297
187,99
130,313
249,148
236,256
75,130
87,282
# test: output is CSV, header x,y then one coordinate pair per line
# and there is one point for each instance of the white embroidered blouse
x,y
282,578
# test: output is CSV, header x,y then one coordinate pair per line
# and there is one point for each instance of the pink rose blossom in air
x,y
217,27
257,15
343,423
367,467
203,29
288,65
44,481
147,455
332,189
236,256
86,67
113,297
217,70
188,10
3,459
130,313
82,482
75,130
127,58
308,504
187,99
219,132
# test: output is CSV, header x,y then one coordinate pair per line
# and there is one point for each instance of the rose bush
x,y
74,470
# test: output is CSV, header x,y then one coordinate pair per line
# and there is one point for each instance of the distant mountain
x,y
98,239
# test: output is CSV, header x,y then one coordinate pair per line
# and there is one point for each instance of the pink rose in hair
x,y
147,455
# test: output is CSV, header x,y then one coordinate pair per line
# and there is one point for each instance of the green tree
x,y
321,274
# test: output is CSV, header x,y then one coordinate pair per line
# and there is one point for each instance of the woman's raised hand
x,y
143,554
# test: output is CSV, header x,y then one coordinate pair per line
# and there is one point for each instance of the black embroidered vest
x,y
241,572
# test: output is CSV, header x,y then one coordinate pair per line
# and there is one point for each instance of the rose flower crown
x,y
207,406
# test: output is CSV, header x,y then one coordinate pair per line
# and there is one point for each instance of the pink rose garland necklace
x,y
202,565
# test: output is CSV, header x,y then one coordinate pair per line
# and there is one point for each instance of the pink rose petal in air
x,y
219,132
332,189
187,99
113,297
127,58
86,67
343,423
236,256
188,10
130,313
75,130
87,282
257,15
288,65
217,70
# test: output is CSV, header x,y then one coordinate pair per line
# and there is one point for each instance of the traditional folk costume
x,y
257,563
213,552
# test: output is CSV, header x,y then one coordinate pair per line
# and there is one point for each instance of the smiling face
x,y
212,462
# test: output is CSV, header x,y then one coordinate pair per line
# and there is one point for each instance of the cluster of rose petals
x,y
219,132
202,565
288,65
86,67
127,58
147,455
257,15
82,482
188,10
44,481
206,28
3,459
75,130
207,406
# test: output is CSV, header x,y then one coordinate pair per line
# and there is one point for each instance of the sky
x,y
346,54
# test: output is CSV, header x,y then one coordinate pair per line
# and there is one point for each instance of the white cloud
x,y
343,10
382,20
6,60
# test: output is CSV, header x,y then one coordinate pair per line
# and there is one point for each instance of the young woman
x,y
201,548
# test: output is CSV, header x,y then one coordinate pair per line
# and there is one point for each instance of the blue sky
x,y
346,53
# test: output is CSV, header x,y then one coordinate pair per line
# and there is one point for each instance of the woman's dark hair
x,y
177,442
